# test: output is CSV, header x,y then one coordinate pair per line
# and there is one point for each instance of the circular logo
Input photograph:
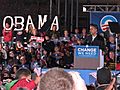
x,y
104,22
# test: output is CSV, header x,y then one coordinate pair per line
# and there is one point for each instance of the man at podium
x,y
94,38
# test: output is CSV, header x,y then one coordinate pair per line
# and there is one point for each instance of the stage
x,y
89,76
85,74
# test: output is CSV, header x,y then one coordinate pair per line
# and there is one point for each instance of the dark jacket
x,y
98,41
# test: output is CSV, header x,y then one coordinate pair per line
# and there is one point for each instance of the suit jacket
x,y
98,41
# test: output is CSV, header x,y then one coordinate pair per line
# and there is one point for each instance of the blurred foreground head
x,y
104,75
56,79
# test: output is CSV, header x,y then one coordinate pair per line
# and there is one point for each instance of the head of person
x,y
77,31
93,29
45,52
112,55
7,25
56,48
33,58
47,38
11,54
84,31
23,60
56,79
103,76
66,33
54,28
111,39
23,73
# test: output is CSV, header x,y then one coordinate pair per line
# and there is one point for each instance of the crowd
x,y
32,48
58,79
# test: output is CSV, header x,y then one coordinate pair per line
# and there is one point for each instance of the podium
x,y
88,57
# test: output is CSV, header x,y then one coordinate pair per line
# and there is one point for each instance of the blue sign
x,y
87,51
102,19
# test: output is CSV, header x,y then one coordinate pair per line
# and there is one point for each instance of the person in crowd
x,y
48,45
57,56
10,65
44,60
95,39
73,41
66,37
33,63
54,34
30,32
20,36
24,62
8,35
77,33
68,59
83,35
11,56
110,60
6,76
58,79
23,76
3,54
111,43
19,46
104,79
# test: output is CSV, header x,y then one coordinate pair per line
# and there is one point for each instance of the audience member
x,y
24,80
54,34
56,79
7,34
104,79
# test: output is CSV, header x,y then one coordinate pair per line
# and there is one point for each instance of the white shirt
x,y
93,37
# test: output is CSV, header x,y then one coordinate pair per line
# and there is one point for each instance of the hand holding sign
x,y
39,39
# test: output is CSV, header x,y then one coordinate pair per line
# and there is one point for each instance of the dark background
x,y
42,7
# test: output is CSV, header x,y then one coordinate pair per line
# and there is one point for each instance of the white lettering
x,y
4,22
29,22
55,22
41,21
19,23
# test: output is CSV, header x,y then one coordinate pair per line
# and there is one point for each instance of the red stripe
x,y
105,25
105,28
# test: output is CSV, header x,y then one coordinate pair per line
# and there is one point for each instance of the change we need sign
x,y
87,51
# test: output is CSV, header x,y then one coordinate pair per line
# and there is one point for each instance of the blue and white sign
x,y
87,51
102,18
104,22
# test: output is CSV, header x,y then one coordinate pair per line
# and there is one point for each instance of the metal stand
x,y
116,54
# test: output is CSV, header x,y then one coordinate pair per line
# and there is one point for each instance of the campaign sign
x,y
87,51
102,19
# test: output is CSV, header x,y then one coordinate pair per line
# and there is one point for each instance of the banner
x,y
87,51
102,19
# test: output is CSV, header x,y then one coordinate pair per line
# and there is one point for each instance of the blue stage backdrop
x,y
102,19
